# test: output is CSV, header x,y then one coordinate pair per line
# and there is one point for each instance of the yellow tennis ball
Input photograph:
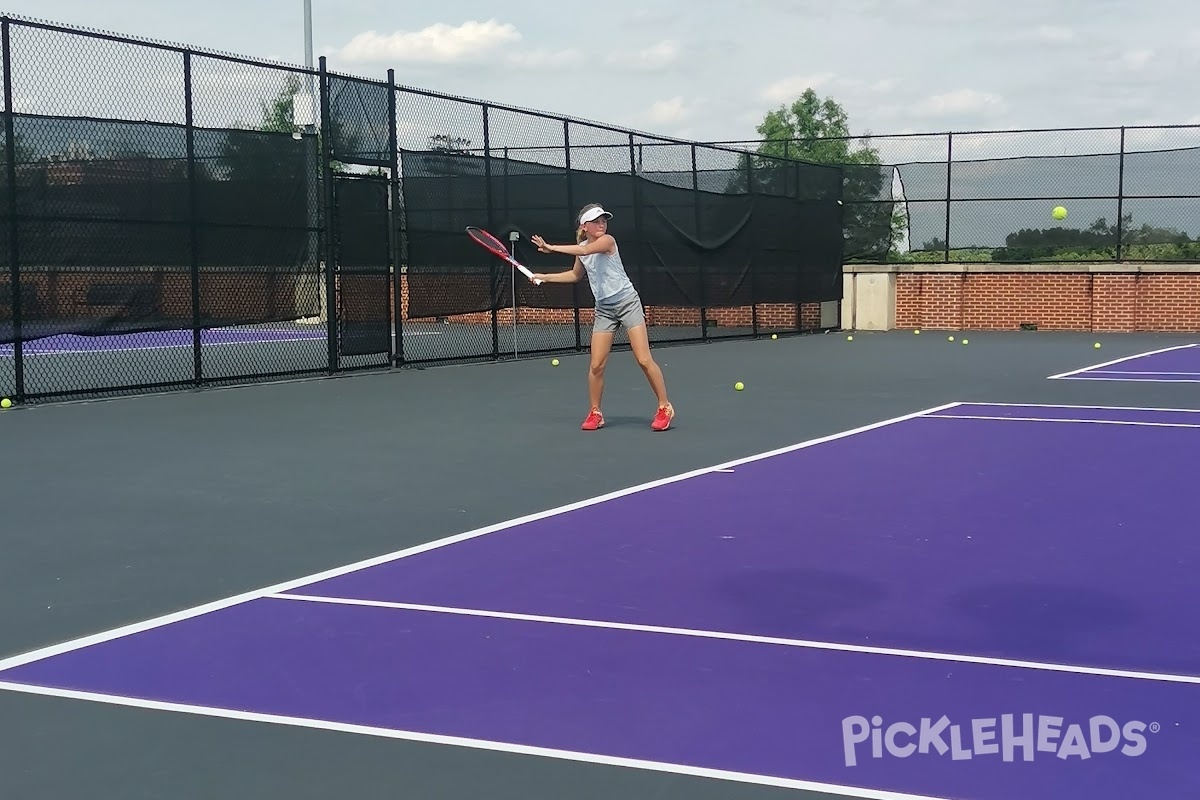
x,y
554,362
949,338
850,338
964,341
1059,212
739,386
917,332
6,403
1096,345
774,335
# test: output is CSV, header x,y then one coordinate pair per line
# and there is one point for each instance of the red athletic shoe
x,y
662,420
594,421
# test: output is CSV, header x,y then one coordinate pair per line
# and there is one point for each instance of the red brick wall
x,y
770,315
1052,300
62,293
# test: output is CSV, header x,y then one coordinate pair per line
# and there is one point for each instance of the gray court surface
x,y
124,509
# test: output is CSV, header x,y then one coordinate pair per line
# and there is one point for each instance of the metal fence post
x,y
14,250
949,161
494,283
395,237
699,266
1121,197
193,222
330,222
571,205
637,215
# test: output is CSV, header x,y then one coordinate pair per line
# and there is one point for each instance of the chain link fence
x,y
1130,193
175,218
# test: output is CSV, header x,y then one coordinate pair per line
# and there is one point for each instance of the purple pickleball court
x,y
1179,364
756,712
159,340
980,601
1009,532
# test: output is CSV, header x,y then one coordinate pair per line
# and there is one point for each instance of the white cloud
x,y
436,44
1136,59
787,89
668,112
1072,63
961,101
656,56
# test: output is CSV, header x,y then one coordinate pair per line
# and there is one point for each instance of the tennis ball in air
x,y
739,386
1059,212
554,362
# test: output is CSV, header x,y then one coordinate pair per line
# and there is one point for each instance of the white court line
x,y
1119,360
743,637
1130,380
1077,421
750,778
478,744
218,605
1073,405
1140,372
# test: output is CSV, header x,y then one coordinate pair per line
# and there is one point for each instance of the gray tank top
x,y
607,277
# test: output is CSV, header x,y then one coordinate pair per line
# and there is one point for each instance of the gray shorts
x,y
625,311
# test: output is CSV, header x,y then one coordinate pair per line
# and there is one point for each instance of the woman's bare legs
x,y
601,347
639,341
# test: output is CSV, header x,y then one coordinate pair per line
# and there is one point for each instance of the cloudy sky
x,y
709,71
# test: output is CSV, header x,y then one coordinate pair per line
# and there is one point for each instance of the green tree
x,y
259,153
265,157
278,113
817,130
1098,240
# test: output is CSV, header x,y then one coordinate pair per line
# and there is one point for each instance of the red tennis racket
x,y
489,242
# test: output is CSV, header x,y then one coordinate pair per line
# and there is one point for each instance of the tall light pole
x,y
310,96
310,115
308,58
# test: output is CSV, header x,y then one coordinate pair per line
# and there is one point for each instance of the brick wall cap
x,y
1013,269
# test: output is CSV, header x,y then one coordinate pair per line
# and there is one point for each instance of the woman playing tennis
x,y
617,303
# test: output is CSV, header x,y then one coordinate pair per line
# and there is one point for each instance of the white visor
x,y
593,213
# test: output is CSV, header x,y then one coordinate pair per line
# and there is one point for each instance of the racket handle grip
x,y
525,270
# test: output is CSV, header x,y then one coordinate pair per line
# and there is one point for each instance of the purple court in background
x,y
155,340
1179,364
977,601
